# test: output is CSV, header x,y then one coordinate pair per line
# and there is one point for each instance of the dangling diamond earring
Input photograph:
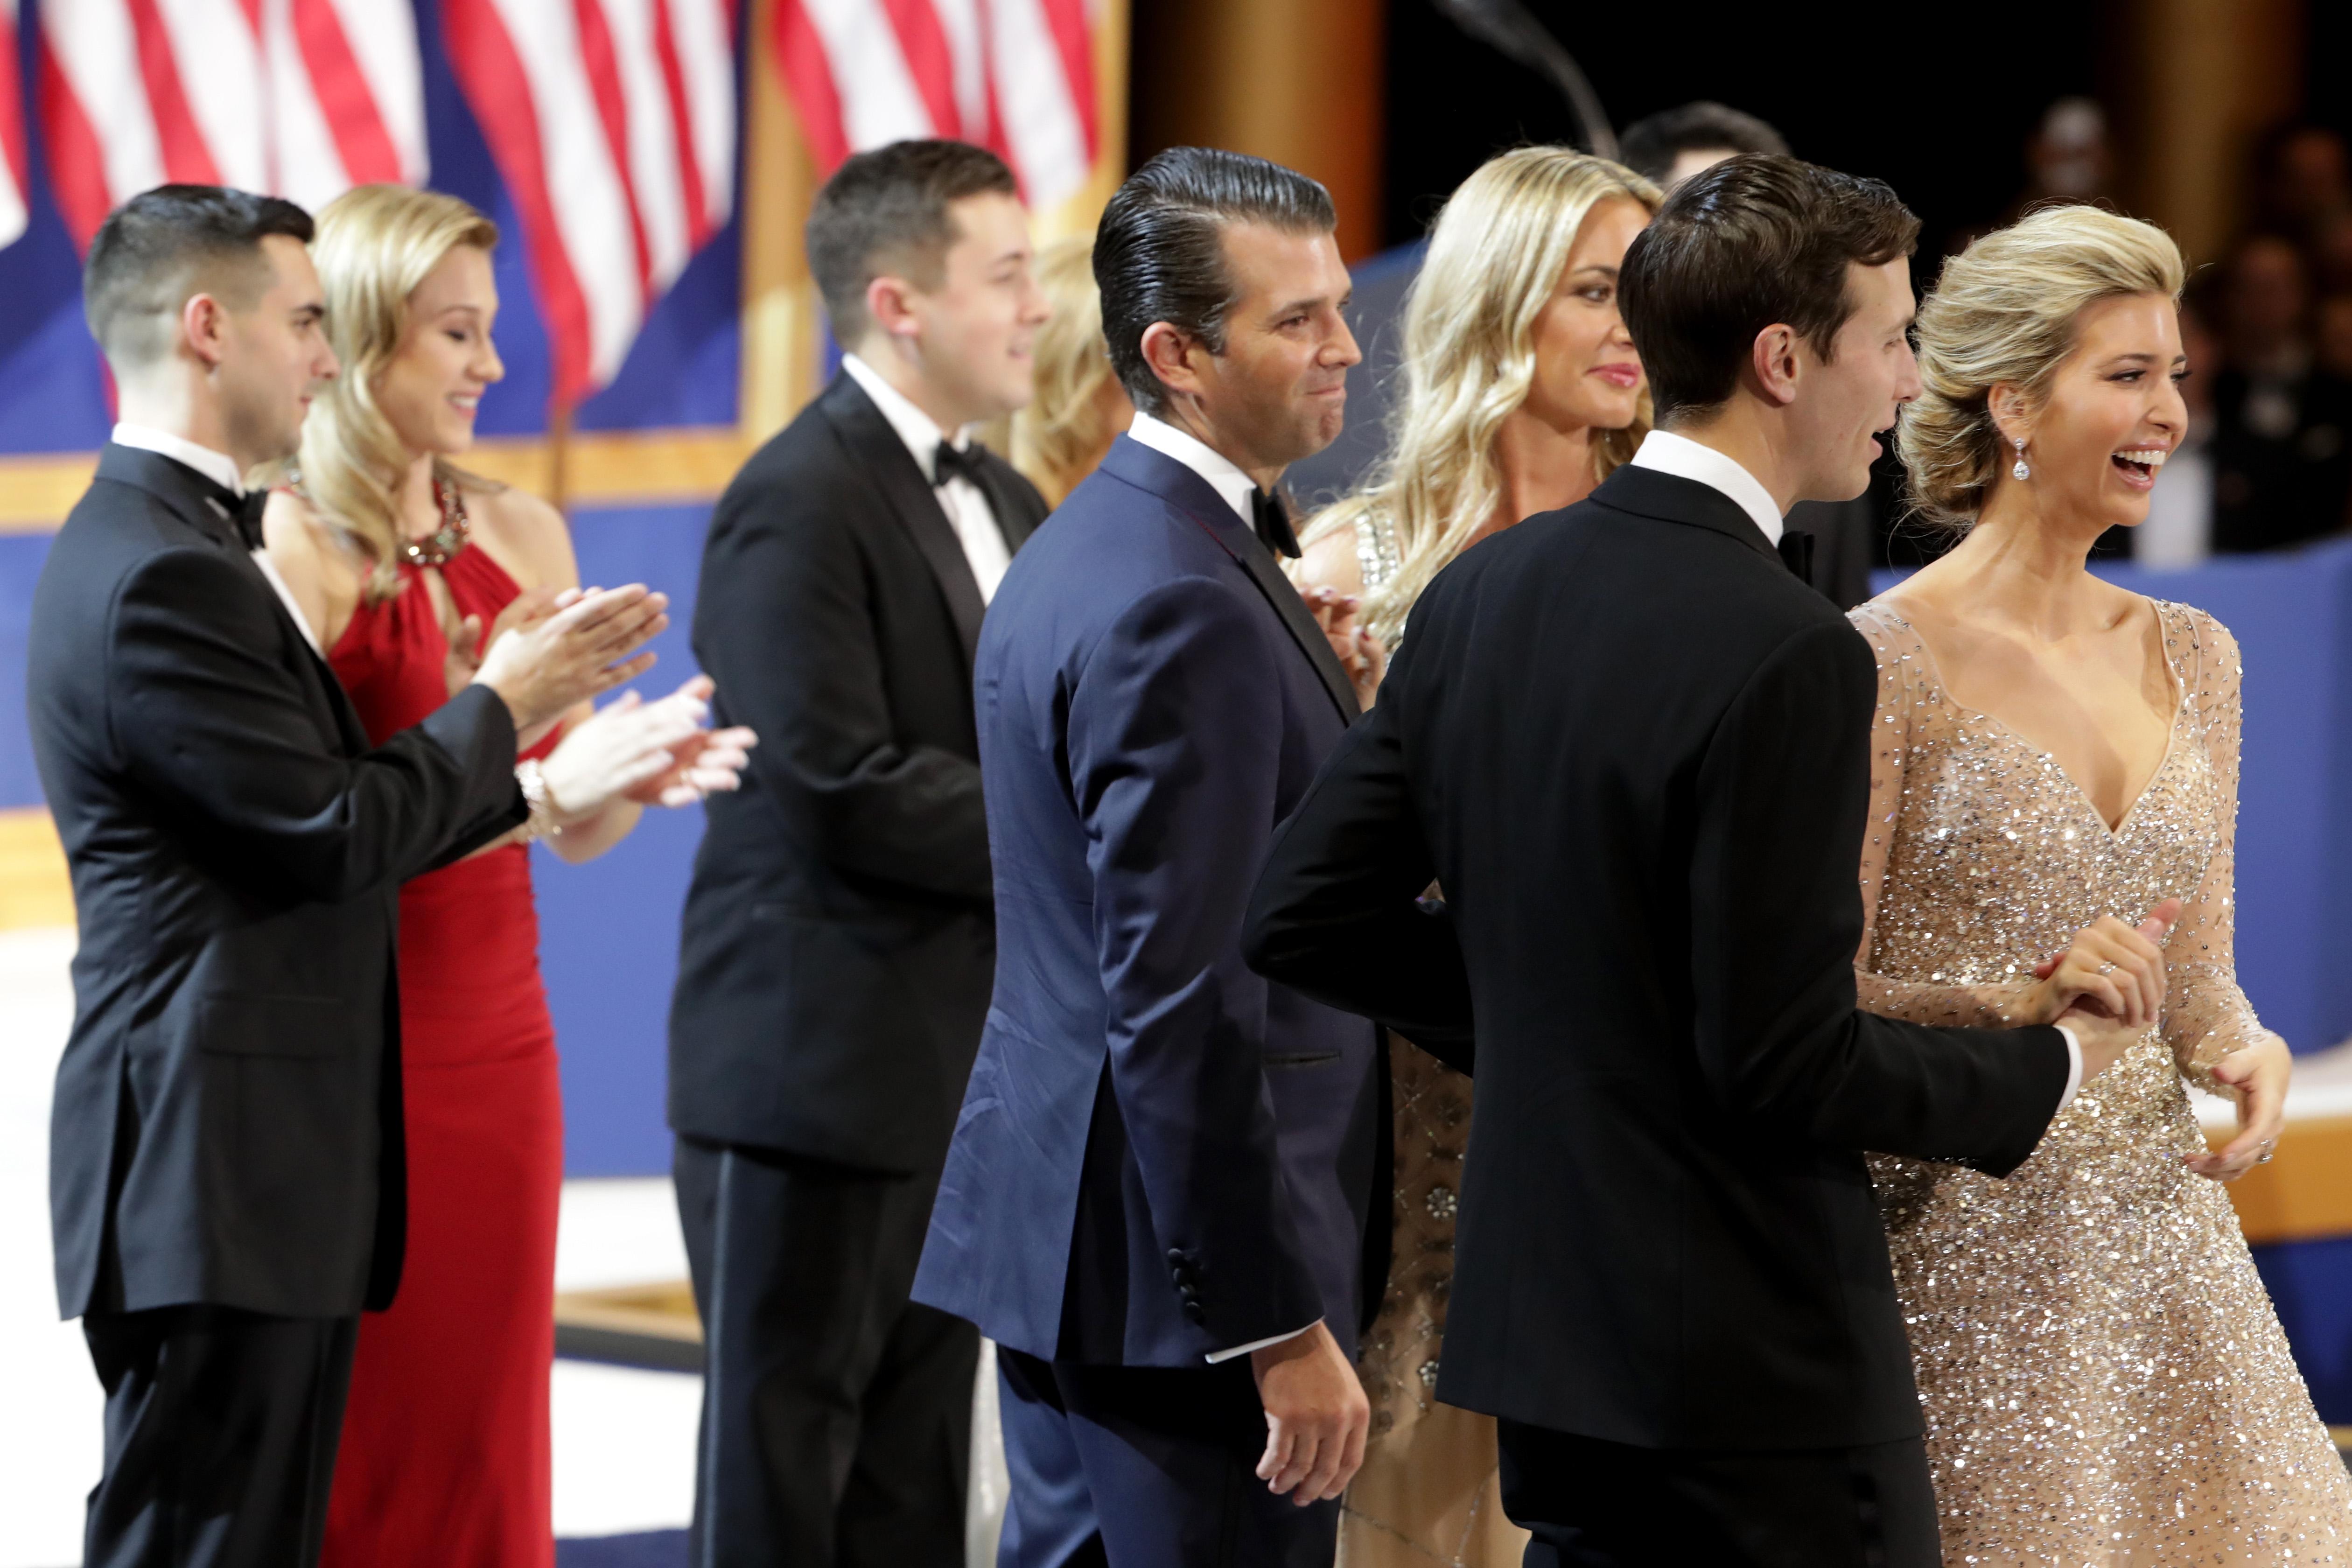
x,y
2021,471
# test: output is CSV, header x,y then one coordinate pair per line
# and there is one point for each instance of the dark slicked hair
x,y
160,247
1752,242
1160,249
1651,144
884,214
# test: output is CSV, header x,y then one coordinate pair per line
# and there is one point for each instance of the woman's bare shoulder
x,y
523,529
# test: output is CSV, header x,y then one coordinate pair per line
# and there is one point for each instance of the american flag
x,y
1014,76
301,97
13,184
613,122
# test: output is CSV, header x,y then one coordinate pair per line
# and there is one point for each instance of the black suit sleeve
x,y
224,739
784,623
1337,912
1776,915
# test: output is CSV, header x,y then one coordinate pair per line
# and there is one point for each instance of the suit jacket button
x,y
1194,1310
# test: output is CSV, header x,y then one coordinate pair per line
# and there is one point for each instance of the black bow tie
x,y
243,512
1797,552
1271,520
951,461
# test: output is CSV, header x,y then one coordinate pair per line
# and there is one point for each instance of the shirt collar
x,y
1223,476
1685,458
917,429
218,467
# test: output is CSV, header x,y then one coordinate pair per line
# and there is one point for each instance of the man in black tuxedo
x,y
839,940
227,1180
1633,750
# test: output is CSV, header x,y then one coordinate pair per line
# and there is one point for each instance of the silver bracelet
x,y
534,783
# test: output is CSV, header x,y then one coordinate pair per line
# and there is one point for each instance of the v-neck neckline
x,y
2172,735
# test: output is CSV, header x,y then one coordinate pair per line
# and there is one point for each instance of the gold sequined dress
x,y
1428,1492
2105,1383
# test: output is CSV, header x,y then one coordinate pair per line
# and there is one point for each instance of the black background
x,y
1938,103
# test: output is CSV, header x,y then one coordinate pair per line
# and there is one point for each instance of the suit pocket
x,y
258,1025
1299,1058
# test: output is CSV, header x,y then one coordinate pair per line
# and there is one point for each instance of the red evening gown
x,y
445,1450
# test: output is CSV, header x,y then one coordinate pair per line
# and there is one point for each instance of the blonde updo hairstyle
x,y
375,244
2003,312
1494,260
1055,435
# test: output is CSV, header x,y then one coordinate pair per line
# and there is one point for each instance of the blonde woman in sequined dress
x,y
2104,1379
1521,392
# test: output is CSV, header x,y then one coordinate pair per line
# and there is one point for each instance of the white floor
x,y
624,1439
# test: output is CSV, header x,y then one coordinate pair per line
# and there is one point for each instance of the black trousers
x,y
1120,1467
1593,1504
221,1428
836,1413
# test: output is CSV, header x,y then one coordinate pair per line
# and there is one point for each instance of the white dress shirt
x,y
221,469
975,525
1223,476
1227,480
1679,454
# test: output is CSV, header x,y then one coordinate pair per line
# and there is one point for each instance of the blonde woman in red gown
x,y
404,567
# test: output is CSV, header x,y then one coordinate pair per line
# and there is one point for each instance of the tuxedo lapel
x,y
879,450
191,498
1179,486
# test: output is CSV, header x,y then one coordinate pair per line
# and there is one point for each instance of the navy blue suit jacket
x,y
1161,1155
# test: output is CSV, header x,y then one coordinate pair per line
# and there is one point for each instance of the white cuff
x,y
2074,1066
1216,1356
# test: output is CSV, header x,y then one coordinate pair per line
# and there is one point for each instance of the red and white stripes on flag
x,y
301,97
14,186
1014,76
612,123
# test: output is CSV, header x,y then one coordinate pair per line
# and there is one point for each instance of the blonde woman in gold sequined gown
x,y
1521,392
2104,1380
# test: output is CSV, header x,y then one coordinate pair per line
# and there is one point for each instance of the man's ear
x,y
1168,352
1772,360
204,324
886,307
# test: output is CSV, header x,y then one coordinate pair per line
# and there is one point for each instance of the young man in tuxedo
x,y
838,942
1157,1196
226,1179
1635,752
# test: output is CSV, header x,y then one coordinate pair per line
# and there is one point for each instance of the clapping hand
x,y
706,762
655,753
580,643
1358,651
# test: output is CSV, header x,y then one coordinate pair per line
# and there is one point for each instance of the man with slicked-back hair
x,y
226,1179
1156,1199
1634,750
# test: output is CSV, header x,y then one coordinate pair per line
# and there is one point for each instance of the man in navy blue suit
x,y
1157,1198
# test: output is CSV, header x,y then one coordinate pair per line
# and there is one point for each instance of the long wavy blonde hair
x,y
1494,258
2003,312
375,244
1057,433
